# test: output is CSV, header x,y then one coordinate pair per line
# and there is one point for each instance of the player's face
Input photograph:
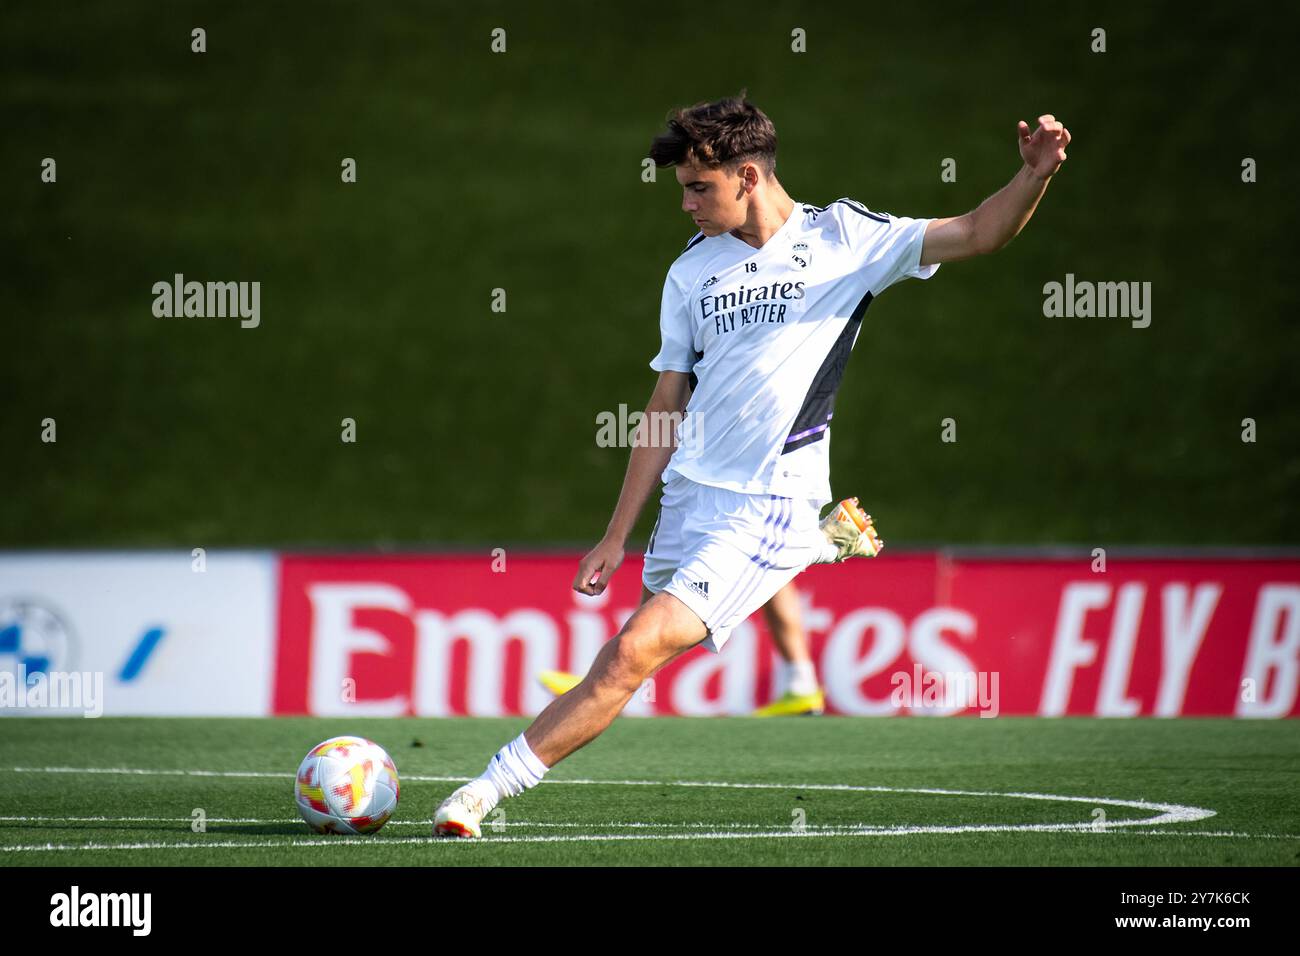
x,y
713,198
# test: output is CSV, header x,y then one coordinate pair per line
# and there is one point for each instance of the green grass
x,y
1245,771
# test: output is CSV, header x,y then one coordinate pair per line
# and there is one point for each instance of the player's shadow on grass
x,y
298,831
258,829
106,826
153,830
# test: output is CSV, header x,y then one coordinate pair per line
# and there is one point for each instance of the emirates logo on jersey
x,y
801,255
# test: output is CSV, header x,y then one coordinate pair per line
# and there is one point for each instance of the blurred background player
x,y
800,691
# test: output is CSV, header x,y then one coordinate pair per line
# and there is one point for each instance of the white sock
x,y
829,554
514,769
800,677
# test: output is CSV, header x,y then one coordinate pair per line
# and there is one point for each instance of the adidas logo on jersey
x,y
801,254
712,280
700,587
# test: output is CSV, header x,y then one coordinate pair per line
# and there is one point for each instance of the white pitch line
x,y
156,773
513,824
516,824
1166,813
607,825
103,819
760,828
380,843
757,829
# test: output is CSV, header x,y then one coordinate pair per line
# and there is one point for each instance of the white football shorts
x,y
724,553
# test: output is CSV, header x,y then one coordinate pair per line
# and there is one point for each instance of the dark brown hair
x,y
725,132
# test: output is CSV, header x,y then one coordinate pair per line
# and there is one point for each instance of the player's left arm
x,y
1000,217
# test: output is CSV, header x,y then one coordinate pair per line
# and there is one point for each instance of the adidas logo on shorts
x,y
700,587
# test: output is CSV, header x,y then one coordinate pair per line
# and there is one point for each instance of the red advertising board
x,y
924,634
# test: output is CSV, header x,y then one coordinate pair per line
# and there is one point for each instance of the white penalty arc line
x,y
1166,812
758,829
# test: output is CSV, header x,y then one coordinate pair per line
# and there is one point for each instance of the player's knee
x,y
614,671
630,664
651,636
631,655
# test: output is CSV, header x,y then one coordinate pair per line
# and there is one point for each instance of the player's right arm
x,y
1000,218
647,462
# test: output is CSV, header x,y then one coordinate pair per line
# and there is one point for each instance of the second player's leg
x,y
800,692
661,628
785,625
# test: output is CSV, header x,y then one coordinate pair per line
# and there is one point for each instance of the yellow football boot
x,y
558,682
790,704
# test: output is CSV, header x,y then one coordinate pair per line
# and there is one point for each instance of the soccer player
x,y
763,307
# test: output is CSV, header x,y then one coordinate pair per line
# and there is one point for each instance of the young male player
x,y
763,307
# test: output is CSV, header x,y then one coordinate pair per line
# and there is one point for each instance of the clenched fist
x,y
1043,149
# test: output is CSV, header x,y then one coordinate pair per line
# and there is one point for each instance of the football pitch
x,y
673,791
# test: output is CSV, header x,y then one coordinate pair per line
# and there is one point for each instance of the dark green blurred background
x,y
522,171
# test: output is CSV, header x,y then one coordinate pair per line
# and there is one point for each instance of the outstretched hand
x,y
1043,149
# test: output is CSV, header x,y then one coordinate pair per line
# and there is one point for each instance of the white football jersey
x,y
766,334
